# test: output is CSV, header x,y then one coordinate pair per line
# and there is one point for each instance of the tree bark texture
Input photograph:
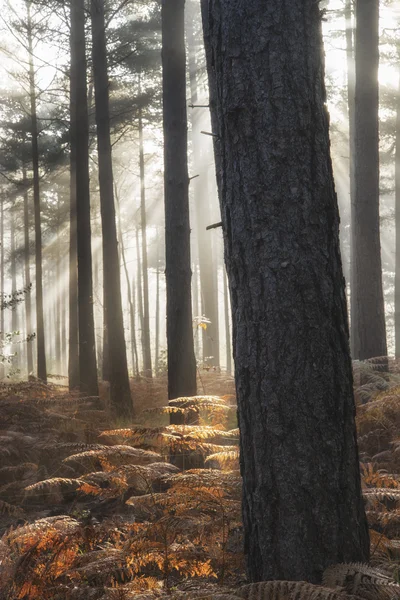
x,y
181,358
120,393
40,338
2,320
87,351
302,503
368,320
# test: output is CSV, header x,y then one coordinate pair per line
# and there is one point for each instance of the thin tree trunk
x,y
28,299
351,80
147,368
139,291
134,356
227,327
157,355
120,393
133,326
369,313
210,335
397,225
181,357
198,312
80,124
290,331
14,310
57,288
2,324
40,337
73,328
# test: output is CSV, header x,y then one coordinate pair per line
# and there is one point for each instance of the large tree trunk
x,y
302,503
28,301
368,320
73,344
40,339
181,359
80,123
146,311
120,393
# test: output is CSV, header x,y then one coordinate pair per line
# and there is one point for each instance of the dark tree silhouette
x,y
181,358
302,503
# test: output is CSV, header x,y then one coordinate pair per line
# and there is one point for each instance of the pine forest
x,y
200,299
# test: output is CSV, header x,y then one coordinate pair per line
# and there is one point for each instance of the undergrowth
x,y
91,509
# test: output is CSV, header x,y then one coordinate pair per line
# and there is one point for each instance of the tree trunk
x,y
227,328
202,210
14,309
181,358
87,350
302,503
120,393
28,300
131,297
157,353
40,338
2,323
140,292
73,344
146,314
397,225
351,80
368,321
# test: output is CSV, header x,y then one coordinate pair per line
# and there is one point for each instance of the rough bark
x,y
181,358
28,300
88,383
302,504
40,337
368,321
143,225
120,393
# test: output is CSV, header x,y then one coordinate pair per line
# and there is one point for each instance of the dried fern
x,y
289,590
361,580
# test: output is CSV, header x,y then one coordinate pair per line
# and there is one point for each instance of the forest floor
x,y
93,510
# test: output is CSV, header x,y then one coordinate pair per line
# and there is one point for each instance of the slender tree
x,y
302,503
397,225
120,394
28,301
368,319
209,303
40,337
228,343
80,126
146,311
181,358
73,344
